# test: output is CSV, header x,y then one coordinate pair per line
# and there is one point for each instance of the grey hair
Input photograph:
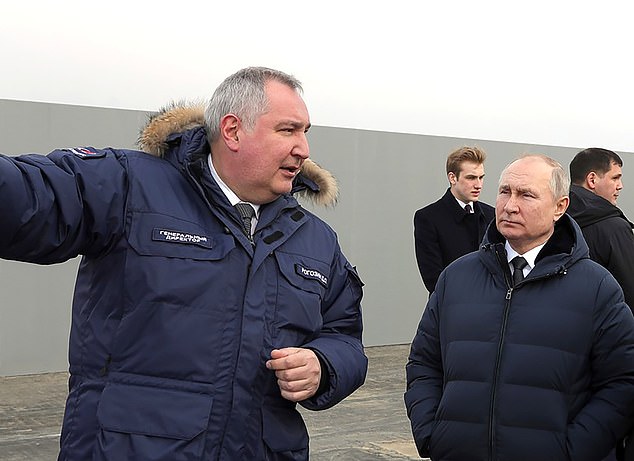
x,y
559,179
244,95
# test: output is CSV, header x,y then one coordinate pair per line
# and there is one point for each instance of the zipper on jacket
x,y
498,359
104,370
561,271
496,372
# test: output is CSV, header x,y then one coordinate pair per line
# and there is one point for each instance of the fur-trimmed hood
x,y
180,117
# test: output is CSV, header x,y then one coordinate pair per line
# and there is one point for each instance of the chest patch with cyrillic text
x,y
173,236
312,274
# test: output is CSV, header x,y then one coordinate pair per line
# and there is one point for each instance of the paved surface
x,y
370,425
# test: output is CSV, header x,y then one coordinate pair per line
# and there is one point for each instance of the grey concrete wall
x,y
384,178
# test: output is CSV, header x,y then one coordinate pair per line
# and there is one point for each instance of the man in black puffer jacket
x,y
526,364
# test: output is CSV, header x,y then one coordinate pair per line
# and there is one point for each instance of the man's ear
x,y
451,176
229,126
591,181
561,206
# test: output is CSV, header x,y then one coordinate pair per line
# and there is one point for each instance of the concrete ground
x,y
370,425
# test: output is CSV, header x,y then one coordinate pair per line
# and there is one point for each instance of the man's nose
x,y
301,149
511,205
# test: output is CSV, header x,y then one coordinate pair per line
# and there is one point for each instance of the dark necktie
x,y
519,264
467,208
247,213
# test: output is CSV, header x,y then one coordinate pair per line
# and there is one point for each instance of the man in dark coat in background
x,y
454,225
596,176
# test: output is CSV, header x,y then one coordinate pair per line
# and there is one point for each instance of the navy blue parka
x,y
542,371
175,312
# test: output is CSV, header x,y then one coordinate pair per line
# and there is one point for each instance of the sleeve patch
x,y
85,152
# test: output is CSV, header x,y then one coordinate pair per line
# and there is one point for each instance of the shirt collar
x,y
231,196
464,204
530,256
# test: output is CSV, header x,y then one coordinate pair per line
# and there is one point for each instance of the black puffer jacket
x,y
544,371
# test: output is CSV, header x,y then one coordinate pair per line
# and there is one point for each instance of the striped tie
x,y
247,213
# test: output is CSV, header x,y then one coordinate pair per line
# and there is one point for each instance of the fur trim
x,y
328,188
181,116
173,118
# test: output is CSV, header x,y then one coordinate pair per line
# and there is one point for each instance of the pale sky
x,y
543,72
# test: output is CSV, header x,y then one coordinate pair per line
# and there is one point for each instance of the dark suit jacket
x,y
443,232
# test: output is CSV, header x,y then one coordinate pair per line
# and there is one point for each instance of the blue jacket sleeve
x,y
424,376
58,206
339,344
609,411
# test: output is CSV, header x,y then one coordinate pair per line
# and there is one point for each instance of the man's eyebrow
x,y
523,190
294,124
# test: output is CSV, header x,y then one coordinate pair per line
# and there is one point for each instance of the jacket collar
x,y
199,174
564,248
588,208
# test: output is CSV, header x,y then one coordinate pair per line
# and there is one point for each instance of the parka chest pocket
x,y
153,234
301,288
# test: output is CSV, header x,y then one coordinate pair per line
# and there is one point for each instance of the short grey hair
x,y
559,179
244,95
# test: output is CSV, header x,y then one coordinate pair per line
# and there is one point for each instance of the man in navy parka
x,y
524,370
193,338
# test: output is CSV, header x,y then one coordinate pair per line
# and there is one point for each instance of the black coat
x,y
443,232
609,236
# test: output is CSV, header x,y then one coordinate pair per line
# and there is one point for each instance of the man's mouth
x,y
291,169
507,221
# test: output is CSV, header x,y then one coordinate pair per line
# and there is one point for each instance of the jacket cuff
x,y
324,382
